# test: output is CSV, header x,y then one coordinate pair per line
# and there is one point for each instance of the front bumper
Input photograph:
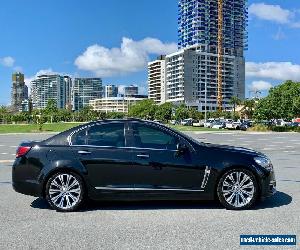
x,y
268,185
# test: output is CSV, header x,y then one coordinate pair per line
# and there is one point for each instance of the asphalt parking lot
x,y
28,223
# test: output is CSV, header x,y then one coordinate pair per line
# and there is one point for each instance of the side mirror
x,y
181,149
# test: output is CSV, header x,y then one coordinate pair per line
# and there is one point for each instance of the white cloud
x,y
260,85
274,13
295,25
274,70
7,61
279,35
270,12
132,56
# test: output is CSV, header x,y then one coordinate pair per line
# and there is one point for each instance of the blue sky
x,y
66,36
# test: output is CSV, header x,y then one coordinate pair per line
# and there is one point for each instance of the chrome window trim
x,y
69,138
148,189
165,129
112,147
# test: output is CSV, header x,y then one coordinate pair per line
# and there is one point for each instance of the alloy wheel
x,y
65,191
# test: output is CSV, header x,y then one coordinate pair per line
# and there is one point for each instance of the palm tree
x,y
249,105
234,101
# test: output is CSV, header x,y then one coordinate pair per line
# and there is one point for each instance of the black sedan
x,y
138,160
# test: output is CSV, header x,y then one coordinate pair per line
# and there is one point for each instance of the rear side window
x,y
79,138
111,134
150,137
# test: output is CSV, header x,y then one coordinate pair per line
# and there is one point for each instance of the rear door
x,y
102,150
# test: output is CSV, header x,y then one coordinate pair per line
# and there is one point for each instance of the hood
x,y
232,149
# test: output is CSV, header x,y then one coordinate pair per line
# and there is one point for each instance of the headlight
x,y
264,162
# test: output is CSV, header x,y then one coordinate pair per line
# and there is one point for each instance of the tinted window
x,y
151,137
111,134
79,138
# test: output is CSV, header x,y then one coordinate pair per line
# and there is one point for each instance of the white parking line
x,y
6,161
13,146
268,149
4,153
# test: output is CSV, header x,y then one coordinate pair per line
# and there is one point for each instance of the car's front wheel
x,y
64,191
237,189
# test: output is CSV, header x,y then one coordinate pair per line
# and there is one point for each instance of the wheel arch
x,y
65,169
252,169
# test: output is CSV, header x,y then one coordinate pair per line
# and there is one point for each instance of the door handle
x,y
83,152
143,156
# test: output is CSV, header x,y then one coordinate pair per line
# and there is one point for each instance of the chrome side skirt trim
x,y
148,189
205,177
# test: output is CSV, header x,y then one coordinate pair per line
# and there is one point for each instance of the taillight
x,y
22,150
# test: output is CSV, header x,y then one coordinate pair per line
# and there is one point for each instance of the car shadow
x,y
277,200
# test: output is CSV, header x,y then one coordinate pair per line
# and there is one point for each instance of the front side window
x,y
110,134
145,136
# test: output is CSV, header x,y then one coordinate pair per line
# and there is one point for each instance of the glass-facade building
x,y
84,90
50,87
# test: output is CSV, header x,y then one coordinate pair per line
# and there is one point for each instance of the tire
x,y
65,191
237,189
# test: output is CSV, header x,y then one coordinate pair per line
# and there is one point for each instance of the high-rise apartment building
x,y
84,90
191,74
192,78
50,87
131,90
198,24
156,80
111,91
19,91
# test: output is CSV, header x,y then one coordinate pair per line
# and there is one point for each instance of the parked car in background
x,y
187,122
295,124
174,122
208,123
233,125
198,123
218,125
158,121
245,125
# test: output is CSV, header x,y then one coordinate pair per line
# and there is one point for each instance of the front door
x,y
158,165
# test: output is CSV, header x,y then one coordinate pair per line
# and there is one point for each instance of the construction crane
x,y
220,54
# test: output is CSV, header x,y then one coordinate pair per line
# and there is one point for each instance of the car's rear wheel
x,y
237,189
65,191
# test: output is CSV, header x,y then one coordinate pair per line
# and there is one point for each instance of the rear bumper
x,y
27,188
24,178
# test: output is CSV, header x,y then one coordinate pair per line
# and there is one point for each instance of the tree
x,y
234,101
281,103
164,112
144,109
181,112
195,114
248,108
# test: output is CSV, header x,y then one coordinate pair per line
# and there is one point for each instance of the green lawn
x,y
34,128
58,127
191,128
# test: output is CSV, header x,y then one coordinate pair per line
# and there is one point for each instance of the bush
x,y
259,128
